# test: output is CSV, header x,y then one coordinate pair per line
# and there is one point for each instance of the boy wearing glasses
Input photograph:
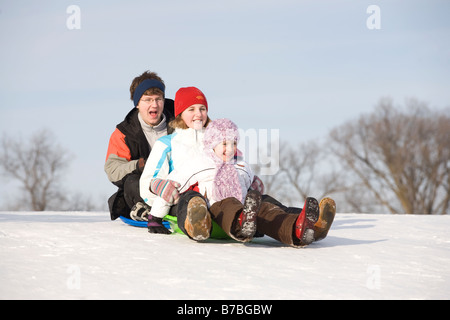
x,y
131,142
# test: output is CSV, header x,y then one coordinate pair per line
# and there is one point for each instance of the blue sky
x,y
302,67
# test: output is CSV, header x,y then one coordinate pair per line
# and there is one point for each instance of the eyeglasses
x,y
151,100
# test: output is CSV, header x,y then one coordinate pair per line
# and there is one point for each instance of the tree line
x,y
38,166
392,160
395,159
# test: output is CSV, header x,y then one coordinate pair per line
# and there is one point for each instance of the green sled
x,y
217,232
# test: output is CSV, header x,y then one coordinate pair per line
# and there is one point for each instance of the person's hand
x,y
140,165
166,189
155,225
257,185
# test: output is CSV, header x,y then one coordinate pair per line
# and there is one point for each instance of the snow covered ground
x,y
84,255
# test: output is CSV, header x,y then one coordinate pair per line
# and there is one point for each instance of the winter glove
x,y
166,189
140,165
257,185
155,225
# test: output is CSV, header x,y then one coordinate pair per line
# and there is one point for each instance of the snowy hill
x,y
83,255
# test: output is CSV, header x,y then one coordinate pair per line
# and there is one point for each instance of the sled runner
x,y
141,224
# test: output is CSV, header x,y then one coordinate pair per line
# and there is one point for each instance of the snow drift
x,y
84,255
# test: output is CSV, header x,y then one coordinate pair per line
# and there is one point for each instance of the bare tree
x,y
401,158
274,184
38,166
305,170
309,171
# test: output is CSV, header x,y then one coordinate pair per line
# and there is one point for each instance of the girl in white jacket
x,y
211,164
216,189
183,162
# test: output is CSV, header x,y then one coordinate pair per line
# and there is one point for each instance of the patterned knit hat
x,y
186,97
218,131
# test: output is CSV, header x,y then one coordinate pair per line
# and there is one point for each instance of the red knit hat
x,y
186,97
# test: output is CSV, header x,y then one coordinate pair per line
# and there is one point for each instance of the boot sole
x,y
198,220
327,212
251,207
306,220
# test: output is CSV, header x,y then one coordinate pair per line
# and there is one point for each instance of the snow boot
x,y
140,211
305,222
247,218
327,211
198,219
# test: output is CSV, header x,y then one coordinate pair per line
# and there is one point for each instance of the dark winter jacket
x,y
126,146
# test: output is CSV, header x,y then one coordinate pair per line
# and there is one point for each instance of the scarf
x,y
226,181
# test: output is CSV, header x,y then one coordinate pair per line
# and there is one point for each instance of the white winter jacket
x,y
180,157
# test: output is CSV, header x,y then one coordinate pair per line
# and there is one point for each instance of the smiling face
x,y
151,108
226,150
195,116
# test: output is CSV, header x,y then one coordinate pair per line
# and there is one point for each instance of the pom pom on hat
x,y
186,97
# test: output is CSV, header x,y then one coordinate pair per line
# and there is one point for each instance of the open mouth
x,y
198,124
